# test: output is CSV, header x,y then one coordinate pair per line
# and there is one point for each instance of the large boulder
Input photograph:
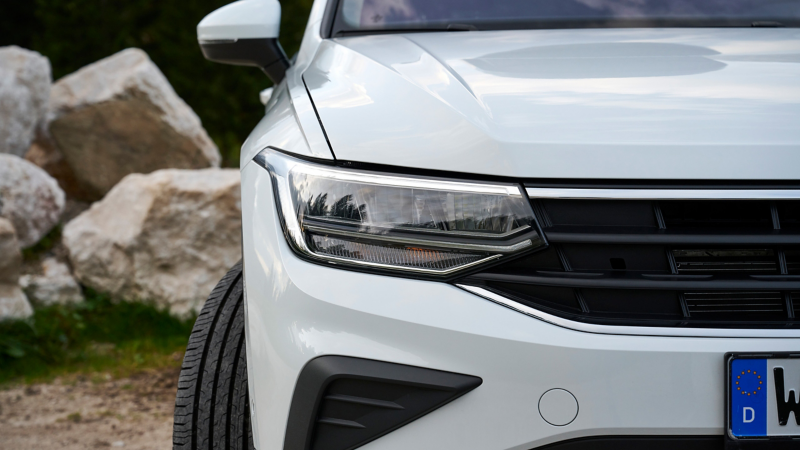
x,y
13,303
54,286
29,198
120,116
25,80
166,237
45,153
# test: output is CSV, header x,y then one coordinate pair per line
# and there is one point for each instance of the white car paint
x,y
633,385
245,19
291,123
265,95
593,103
459,102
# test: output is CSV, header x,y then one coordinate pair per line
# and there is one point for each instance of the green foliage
x,y
97,334
38,250
74,33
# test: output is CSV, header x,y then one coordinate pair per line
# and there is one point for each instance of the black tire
x,y
212,405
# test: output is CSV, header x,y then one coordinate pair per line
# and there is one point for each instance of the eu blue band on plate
x,y
749,397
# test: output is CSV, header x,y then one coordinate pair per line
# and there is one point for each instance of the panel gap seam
x,y
316,113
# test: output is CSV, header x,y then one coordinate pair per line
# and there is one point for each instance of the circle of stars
x,y
743,392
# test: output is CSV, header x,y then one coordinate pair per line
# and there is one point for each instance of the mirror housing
x,y
245,33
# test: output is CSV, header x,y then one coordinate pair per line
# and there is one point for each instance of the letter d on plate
x,y
749,414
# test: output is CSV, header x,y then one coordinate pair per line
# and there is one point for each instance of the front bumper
x,y
624,384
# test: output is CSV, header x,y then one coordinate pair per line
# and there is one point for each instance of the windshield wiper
x,y
766,24
461,27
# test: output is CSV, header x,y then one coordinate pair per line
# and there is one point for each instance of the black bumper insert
x,y
342,403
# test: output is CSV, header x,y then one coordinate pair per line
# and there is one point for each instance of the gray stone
x,y
10,256
45,154
168,236
13,303
25,80
55,286
29,198
120,116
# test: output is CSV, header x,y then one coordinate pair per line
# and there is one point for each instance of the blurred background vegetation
x,y
74,33
95,335
101,334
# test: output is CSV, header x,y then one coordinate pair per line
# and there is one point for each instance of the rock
x,y
13,303
25,80
45,154
120,116
168,236
29,198
10,256
55,286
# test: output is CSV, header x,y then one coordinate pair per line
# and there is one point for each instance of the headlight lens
x,y
398,223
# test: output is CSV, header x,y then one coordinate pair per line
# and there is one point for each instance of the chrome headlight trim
x,y
490,246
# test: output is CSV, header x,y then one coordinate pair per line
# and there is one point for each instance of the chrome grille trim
x,y
663,194
629,330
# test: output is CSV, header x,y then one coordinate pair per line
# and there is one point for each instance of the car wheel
x,y
212,404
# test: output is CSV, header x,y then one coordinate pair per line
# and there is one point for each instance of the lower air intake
x,y
342,403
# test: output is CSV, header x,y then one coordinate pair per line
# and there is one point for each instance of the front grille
x,y
739,305
721,261
683,263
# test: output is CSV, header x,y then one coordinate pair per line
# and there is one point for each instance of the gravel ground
x,y
82,412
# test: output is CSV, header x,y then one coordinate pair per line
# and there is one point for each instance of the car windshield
x,y
401,15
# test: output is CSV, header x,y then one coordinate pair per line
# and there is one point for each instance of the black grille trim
x,y
575,235
771,304
639,281
640,442
341,403
669,443
674,263
722,261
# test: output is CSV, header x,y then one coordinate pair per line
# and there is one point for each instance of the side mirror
x,y
245,33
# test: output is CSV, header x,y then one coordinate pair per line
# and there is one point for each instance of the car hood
x,y
601,103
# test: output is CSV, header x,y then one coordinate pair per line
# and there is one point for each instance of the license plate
x,y
763,396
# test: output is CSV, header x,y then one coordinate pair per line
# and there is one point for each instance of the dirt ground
x,y
81,412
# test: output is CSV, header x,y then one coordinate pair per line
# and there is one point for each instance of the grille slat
x,y
717,215
632,280
587,235
738,311
741,261
695,263
728,305
735,303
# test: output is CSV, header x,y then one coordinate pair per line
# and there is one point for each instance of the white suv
x,y
508,224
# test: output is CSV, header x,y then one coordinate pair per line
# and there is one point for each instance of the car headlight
x,y
383,222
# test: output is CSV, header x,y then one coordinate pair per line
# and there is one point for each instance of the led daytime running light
x,y
398,223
